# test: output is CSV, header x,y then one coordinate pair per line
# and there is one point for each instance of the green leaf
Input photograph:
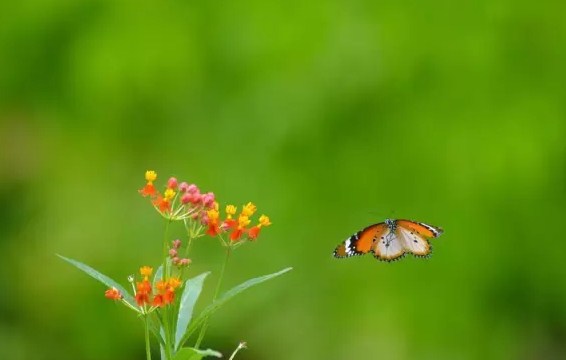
x,y
195,354
158,275
227,296
192,290
102,278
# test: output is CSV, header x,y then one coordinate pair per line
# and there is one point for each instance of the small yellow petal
x,y
146,270
264,220
249,209
231,210
243,221
150,176
169,194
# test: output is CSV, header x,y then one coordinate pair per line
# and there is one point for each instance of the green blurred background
x,y
329,116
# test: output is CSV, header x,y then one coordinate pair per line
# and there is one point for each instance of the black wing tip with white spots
x,y
436,230
349,247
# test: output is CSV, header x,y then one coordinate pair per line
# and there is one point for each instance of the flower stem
x,y
241,345
165,274
147,345
205,325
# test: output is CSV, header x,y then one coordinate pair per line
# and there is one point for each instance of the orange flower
x,y
174,282
144,287
113,294
169,297
142,298
162,203
236,235
149,189
253,233
158,301
213,228
161,286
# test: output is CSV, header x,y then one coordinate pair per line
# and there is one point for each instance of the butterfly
x,y
390,240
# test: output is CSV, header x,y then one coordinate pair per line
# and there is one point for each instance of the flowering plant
x,y
165,300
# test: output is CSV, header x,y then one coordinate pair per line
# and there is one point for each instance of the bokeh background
x,y
329,116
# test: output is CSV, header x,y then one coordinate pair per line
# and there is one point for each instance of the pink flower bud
x,y
195,198
208,199
193,189
172,183
184,262
177,243
175,260
203,218
186,198
172,253
183,187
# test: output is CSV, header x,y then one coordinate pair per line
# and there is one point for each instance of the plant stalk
x,y
147,345
205,325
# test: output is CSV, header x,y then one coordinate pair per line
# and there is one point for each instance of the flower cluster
x,y
237,226
163,294
145,295
204,210
191,202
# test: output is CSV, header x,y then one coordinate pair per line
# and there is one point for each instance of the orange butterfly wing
x,y
425,230
415,236
361,242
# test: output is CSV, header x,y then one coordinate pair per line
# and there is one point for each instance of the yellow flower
x,y
146,271
212,216
249,209
150,176
230,210
174,282
169,194
243,221
264,220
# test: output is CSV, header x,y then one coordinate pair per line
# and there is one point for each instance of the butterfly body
x,y
390,240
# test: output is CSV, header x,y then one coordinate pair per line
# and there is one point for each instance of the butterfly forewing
x,y
361,242
425,230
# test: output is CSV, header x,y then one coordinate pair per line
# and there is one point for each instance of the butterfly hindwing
x,y
413,242
361,242
388,246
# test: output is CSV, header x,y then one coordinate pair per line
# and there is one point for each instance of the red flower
x,y
169,296
142,298
147,190
254,232
213,230
113,294
162,203
229,224
236,234
158,301
144,287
